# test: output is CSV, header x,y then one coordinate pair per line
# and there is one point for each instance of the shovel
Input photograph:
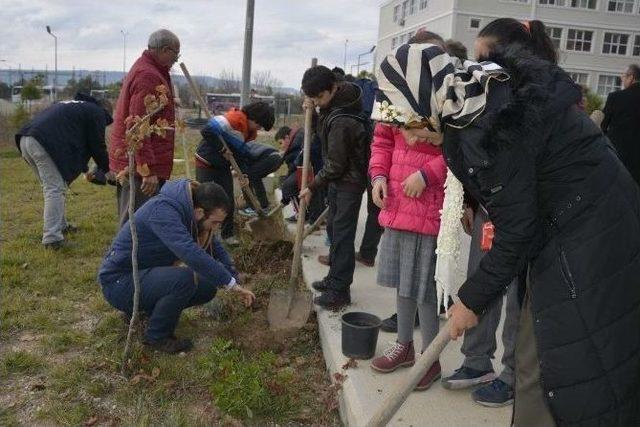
x,y
290,309
269,225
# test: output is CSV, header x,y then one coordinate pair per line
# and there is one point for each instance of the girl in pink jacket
x,y
408,179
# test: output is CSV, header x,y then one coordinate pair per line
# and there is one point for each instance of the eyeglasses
x,y
176,52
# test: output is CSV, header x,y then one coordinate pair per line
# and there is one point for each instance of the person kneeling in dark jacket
x,y
176,226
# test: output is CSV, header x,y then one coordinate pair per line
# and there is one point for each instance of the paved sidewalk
x,y
364,389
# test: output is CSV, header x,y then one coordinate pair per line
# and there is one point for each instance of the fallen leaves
x,y
141,375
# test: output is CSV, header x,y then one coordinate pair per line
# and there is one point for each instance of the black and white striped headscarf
x,y
420,82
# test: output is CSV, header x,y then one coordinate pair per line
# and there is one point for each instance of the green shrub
x,y
592,102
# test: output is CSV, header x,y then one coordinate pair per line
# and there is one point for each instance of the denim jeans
x,y
344,207
222,177
164,293
479,343
122,194
259,169
53,188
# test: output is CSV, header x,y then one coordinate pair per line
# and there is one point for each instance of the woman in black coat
x,y
562,205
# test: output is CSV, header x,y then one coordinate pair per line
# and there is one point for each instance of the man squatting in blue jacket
x,y
176,226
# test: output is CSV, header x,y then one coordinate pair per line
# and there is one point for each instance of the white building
x,y
597,39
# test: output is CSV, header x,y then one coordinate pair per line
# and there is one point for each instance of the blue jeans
x,y
164,293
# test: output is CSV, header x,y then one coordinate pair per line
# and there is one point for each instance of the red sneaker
x,y
429,378
396,356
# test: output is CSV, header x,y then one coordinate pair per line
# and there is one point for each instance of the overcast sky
x,y
287,33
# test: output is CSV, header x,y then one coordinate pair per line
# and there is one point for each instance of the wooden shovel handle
x,y
234,165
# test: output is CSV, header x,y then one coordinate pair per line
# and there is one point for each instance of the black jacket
x,y
622,125
294,149
71,132
345,142
563,205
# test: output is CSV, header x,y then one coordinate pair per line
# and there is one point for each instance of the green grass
x,y
62,343
21,362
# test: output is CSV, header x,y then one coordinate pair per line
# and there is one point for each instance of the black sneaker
x,y
70,229
333,300
321,285
390,324
170,345
56,246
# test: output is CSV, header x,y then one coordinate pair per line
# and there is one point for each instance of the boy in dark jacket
x,y
236,128
177,225
345,137
57,144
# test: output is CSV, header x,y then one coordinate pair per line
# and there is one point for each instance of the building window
x,y
615,43
579,40
625,6
474,23
519,1
405,6
412,7
396,13
608,84
580,78
423,4
584,4
578,4
636,47
555,34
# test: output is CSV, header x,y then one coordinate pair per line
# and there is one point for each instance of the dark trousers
x,y
318,203
259,169
222,177
164,293
344,207
122,195
372,231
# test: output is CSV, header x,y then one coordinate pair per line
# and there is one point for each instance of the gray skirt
x,y
407,261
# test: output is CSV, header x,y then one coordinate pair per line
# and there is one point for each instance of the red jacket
x,y
394,159
156,152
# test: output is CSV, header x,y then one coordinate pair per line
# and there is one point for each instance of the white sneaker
x,y
231,241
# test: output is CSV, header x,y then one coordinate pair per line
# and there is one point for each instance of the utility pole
x,y
246,60
55,75
346,42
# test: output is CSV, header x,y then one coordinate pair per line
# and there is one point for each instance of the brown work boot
x,y
324,260
429,378
365,261
396,356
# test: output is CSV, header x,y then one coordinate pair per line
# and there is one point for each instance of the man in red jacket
x,y
154,159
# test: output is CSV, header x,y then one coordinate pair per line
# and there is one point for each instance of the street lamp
x,y
363,54
55,75
124,52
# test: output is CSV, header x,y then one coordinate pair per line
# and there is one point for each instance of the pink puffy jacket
x,y
394,159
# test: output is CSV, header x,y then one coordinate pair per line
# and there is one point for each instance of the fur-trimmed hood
x,y
540,91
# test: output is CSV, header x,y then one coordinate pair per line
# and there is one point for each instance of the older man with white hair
x,y
154,158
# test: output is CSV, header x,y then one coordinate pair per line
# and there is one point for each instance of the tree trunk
x,y
134,260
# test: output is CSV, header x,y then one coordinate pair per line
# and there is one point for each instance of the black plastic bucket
x,y
360,334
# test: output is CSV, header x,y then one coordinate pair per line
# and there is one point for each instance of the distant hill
x,y
108,77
